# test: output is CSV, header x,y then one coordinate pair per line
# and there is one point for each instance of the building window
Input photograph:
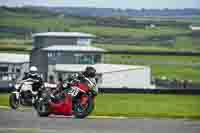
x,y
83,41
59,53
84,59
97,58
87,58
18,70
51,54
3,68
39,40
54,54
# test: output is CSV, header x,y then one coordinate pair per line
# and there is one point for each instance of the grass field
x,y
4,100
15,45
142,105
192,19
151,58
32,20
176,72
148,105
183,43
132,32
125,47
182,71
43,24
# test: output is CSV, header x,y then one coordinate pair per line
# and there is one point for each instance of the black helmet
x,y
90,72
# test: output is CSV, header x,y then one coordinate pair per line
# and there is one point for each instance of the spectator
x,y
175,82
185,84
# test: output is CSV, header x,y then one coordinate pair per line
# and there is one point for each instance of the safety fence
x,y
151,91
176,84
135,90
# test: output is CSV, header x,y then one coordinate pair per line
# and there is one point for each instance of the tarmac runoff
x,y
24,109
22,122
29,109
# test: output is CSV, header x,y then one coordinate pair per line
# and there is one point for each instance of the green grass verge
x,y
142,105
148,105
4,100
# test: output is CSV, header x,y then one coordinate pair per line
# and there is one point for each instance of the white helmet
x,y
33,69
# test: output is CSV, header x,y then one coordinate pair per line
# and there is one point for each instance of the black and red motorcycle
x,y
76,101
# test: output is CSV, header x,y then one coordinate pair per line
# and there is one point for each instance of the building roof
x,y
101,68
64,34
73,48
195,28
13,58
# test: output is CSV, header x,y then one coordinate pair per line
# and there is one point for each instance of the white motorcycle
x,y
24,94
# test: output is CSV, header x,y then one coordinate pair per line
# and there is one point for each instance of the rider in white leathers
x,y
35,76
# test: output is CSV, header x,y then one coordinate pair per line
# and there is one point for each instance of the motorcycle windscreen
x,y
26,87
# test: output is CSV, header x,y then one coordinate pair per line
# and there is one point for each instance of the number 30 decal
x,y
74,91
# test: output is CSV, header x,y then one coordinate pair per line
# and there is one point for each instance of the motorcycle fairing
x,y
63,106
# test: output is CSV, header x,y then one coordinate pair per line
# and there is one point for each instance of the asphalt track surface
x,y
28,122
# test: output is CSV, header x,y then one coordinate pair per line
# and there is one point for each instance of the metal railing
x,y
176,84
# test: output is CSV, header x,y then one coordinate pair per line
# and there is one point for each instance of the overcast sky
x,y
134,4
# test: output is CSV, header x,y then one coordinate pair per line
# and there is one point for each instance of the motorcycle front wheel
x,y
83,110
42,109
13,101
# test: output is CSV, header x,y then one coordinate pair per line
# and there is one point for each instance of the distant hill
x,y
100,12
25,11
85,11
